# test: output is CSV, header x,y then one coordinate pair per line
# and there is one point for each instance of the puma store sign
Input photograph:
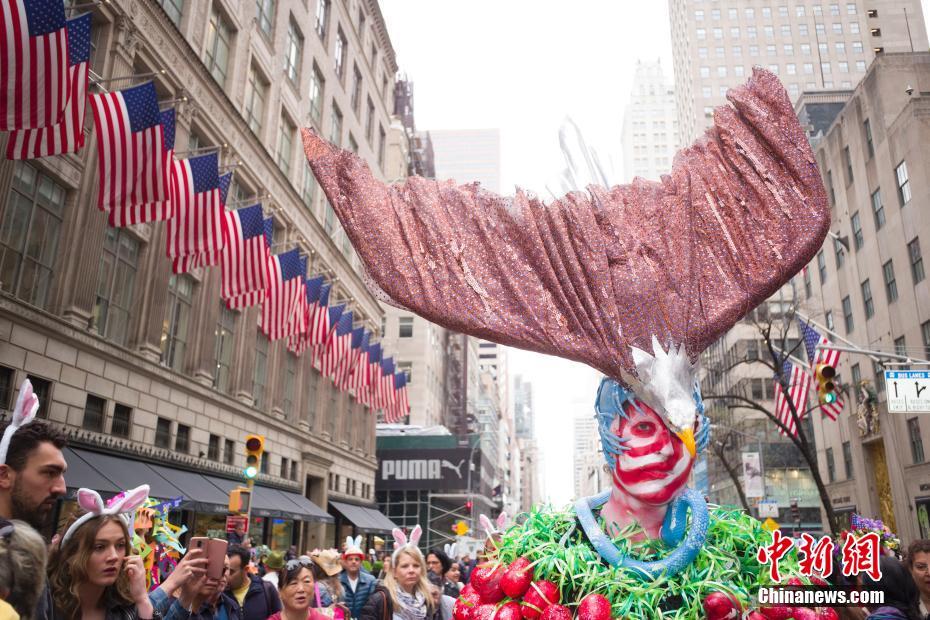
x,y
433,470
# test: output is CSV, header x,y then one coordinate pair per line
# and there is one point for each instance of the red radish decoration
x,y
508,611
486,579
484,612
794,581
466,604
540,595
804,613
556,612
721,606
827,613
594,607
517,578
780,612
755,615
817,581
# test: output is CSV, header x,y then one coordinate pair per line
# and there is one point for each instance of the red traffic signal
x,y
468,505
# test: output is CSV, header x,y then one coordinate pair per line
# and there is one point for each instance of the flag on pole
x,y
66,136
400,405
319,321
34,84
331,314
816,356
283,285
256,296
243,265
225,182
372,373
358,375
197,224
338,347
296,323
386,385
798,384
298,343
134,182
343,378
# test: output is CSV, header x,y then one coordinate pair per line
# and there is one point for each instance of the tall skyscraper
x,y
810,46
650,124
523,407
468,155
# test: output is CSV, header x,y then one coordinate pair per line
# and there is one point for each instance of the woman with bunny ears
x,y
405,593
92,574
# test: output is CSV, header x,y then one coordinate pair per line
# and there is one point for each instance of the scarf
x,y
411,606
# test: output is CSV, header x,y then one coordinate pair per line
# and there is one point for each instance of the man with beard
x,y
32,472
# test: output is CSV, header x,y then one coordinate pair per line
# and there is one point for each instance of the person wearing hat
x,y
357,584
328,565
274,562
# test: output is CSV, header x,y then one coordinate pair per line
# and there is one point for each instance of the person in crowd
x,y
189,570
91,573
405,593
237,536
273,563
32,473
385,567
901,598
328,565
468,565
452,580
291,553
204,598
254,599
22,568
917,562
356,583
438,563
298,591
444,603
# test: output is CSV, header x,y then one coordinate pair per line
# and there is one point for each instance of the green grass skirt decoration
x,y
552,540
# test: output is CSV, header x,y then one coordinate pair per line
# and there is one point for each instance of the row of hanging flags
x,y
798,380
43,93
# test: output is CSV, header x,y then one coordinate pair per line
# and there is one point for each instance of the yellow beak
x,y
687,438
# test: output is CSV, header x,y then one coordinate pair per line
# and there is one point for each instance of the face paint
x,y
655,464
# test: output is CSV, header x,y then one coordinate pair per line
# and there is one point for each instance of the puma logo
x,y
456,468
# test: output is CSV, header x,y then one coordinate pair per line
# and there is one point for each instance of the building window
x,y
924,332
335,129
329,217
381,140
838,253
356,90
224,345
822,267
290,380
701,34
263,465
29,235
407,369
293,51
807,283
256,90
847,460
216,56
316,94
831,466
405,327
869,146
322,17
265,15
891,286
313,383
173,9
917,261
213,448
856,373
94,413
370,122
848,314
309,187
829,319
260,371
116,280
904,184
878,210
917,444
163,433
229,451
879,374
867,303
900,348
849,166
182,441
858,238
353,144
830,186
122,421
293,470
6,387
283,471
174,329
285,145
340,54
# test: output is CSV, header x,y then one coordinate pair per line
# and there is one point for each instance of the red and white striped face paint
x,y
656,464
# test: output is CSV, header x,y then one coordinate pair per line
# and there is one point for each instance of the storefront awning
x,y
268,502
199,494
128,474
364,518
81,474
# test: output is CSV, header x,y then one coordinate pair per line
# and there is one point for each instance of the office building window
x,y
701,34
405,327
830,187
290,381
869,145
917,261
878,210
856,374
858,237
847,460
857,47
286,133
822,267
256,90
219,36
309,187
94,413
335,129
293,52
263,464
225,341
917,444
829,319
705,71
381,139
260,371
284,469
838,253
891,286
322,17
340,54
370,121
356,90
900,348
177,321
831,466
29,235
122,421
116,280
849,165
213,448
807,283
293,470
316,94
265,15
182,440
718,33
173,9
867,304
904,184
848,314
163,433
924,332
229,451
407,369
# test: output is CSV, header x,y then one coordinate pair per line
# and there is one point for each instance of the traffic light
x,y
254,446
826,388
468,505
239,500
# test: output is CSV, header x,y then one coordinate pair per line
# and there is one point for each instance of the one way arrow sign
x,y
907,391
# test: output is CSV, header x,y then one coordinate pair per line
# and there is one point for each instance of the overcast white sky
x,y
522,66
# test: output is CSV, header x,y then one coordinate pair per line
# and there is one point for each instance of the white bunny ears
x,y
353,546
27,404
123,506
450,551
501,522
401,542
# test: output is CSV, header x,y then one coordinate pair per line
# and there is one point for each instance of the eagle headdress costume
x,y
633,280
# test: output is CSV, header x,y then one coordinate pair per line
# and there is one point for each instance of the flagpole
x,y
854,348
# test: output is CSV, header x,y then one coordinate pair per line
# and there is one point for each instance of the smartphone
x,y
216,554
198,542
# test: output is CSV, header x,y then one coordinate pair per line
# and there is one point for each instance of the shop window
x,y
122,421
94,413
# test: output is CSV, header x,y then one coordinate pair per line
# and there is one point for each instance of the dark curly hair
x,y
27,439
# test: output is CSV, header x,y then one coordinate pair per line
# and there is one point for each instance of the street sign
x,y
768,508
770,524
908,391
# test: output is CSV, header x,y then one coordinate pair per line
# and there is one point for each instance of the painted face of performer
x,y
657,464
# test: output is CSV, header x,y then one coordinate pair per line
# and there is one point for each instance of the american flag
x,y
338,348
343,376
815,356
134,181
799,383
257,296
284,283
197,224
374,375
297,344
34,84
385,386
400,405
66,136
296,323
225,182
331,314
243,262
319,321
358,377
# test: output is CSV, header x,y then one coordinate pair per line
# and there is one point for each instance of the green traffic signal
x,y
251,471
829,398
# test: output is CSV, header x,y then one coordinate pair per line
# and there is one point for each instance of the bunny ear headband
x,y
450,551
27,404
490,528
90,500
400,540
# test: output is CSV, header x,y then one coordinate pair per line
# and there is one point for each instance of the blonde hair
x,y
422,585
22,564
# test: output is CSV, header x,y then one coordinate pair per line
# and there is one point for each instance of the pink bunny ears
x,y
502,521
27,404
122,505
401,542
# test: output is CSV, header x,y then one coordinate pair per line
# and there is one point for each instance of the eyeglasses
x,y
6,529
298,562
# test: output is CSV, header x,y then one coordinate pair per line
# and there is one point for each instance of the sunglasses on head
x,y
6,529
296,563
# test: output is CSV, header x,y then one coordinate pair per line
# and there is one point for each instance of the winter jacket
x,y
225,609
261,600
887,613
363,589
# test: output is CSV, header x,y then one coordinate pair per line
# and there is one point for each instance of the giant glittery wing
x,y
592,274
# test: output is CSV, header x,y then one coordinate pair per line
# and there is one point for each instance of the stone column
x,y
241,380
207,305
